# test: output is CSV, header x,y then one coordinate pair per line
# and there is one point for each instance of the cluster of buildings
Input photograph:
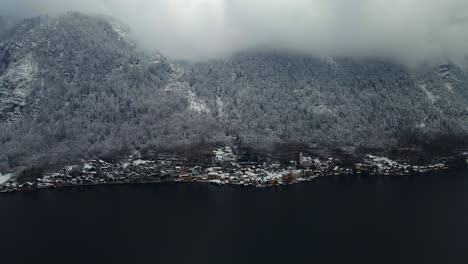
x,y
375,165
98,172
223,169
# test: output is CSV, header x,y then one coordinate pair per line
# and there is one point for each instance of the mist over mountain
x,y
73,86
408,30
7,22
76,86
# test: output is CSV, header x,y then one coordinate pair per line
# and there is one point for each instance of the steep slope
x,y
73,86
278,98
70,51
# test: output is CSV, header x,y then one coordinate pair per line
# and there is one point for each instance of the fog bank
x,y
201,29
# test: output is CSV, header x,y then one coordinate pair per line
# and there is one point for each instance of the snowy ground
x,y
432,98
4,178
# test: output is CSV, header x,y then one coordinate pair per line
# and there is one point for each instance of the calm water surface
x,y
421,219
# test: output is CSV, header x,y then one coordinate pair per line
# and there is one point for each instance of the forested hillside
x,y
290,98
73,87
76,86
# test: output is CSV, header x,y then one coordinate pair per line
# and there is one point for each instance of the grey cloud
x,y
198,29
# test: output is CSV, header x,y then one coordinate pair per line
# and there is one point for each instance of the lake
x,y
347,219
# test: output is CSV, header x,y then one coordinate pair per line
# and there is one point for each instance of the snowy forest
x,y
77,86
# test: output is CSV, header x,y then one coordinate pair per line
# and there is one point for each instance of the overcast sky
x,y
187,29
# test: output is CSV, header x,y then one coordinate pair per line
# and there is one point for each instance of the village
x,y
225,169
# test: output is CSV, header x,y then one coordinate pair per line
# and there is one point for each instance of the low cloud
x,y
201,29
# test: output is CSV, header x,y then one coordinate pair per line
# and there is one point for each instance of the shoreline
x,y
35,188
224,168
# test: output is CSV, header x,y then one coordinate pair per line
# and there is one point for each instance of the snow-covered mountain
x,y
339,101
75,86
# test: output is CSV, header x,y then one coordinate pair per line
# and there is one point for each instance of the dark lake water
x,y
421,219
